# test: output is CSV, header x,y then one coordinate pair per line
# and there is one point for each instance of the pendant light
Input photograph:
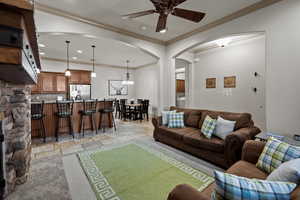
x,y
67,72
93,74
127,81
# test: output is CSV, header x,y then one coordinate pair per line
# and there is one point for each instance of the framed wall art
x,y
230,82
211,82
115,88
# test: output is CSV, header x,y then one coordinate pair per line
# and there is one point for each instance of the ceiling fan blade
x,y
162,22
138,14
188,14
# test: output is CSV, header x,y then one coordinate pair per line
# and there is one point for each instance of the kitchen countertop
x,y
75,101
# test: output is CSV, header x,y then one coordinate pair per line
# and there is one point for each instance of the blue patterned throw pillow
x,y
176,120
275,153
208,126
230,187
165,117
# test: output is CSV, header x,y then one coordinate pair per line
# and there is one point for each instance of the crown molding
x,y
223,20
108,27
96,64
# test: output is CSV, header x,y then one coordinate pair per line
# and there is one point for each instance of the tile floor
x,y
55,172
47,177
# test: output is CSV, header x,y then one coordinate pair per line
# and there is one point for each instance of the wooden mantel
x,y
10,11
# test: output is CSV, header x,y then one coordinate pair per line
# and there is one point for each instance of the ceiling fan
x,y
166,7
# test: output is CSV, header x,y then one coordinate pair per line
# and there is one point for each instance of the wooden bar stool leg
x,y
83,120
57,128
81,123
43,130
71,127
94,123
91,122
114,124
104,128
100,121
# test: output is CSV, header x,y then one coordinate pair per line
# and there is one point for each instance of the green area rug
x,y
134,172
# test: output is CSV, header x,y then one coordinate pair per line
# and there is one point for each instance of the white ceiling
x,y
107,51
110,11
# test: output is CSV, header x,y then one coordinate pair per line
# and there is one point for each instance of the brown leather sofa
x,y
246,168
223,153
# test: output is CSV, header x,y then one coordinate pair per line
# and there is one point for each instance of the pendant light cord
x,y
93,58
68,44
127,74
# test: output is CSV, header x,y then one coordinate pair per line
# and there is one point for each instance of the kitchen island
x,y
50,119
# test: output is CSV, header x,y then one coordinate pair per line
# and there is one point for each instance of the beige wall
x,y
281,26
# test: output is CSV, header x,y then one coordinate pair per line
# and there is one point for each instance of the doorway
x,y
182,82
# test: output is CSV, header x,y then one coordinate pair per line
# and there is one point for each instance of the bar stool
x,y
89,110
37,114
64,111
107,109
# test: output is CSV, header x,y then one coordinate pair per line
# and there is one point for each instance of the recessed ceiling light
x,y
42,45
79,51
89,36
74,58
56,33
42,53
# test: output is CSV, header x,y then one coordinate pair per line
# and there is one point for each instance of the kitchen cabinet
x,y
50,83
80,77
180,86
48,80
61,83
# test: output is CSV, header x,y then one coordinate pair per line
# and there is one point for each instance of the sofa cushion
x,y
177,133
187,112
246,169
193,119
243,120
198,140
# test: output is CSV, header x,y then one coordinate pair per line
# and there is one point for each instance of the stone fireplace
x,y
15,105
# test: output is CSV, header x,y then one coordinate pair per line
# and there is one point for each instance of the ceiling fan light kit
x,y
164,8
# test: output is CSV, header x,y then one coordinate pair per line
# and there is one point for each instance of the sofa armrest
x,y
234,143
186,192
252,150
157,121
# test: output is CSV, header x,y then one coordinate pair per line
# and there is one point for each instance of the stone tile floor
x,y
47,179
127,130
52,171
